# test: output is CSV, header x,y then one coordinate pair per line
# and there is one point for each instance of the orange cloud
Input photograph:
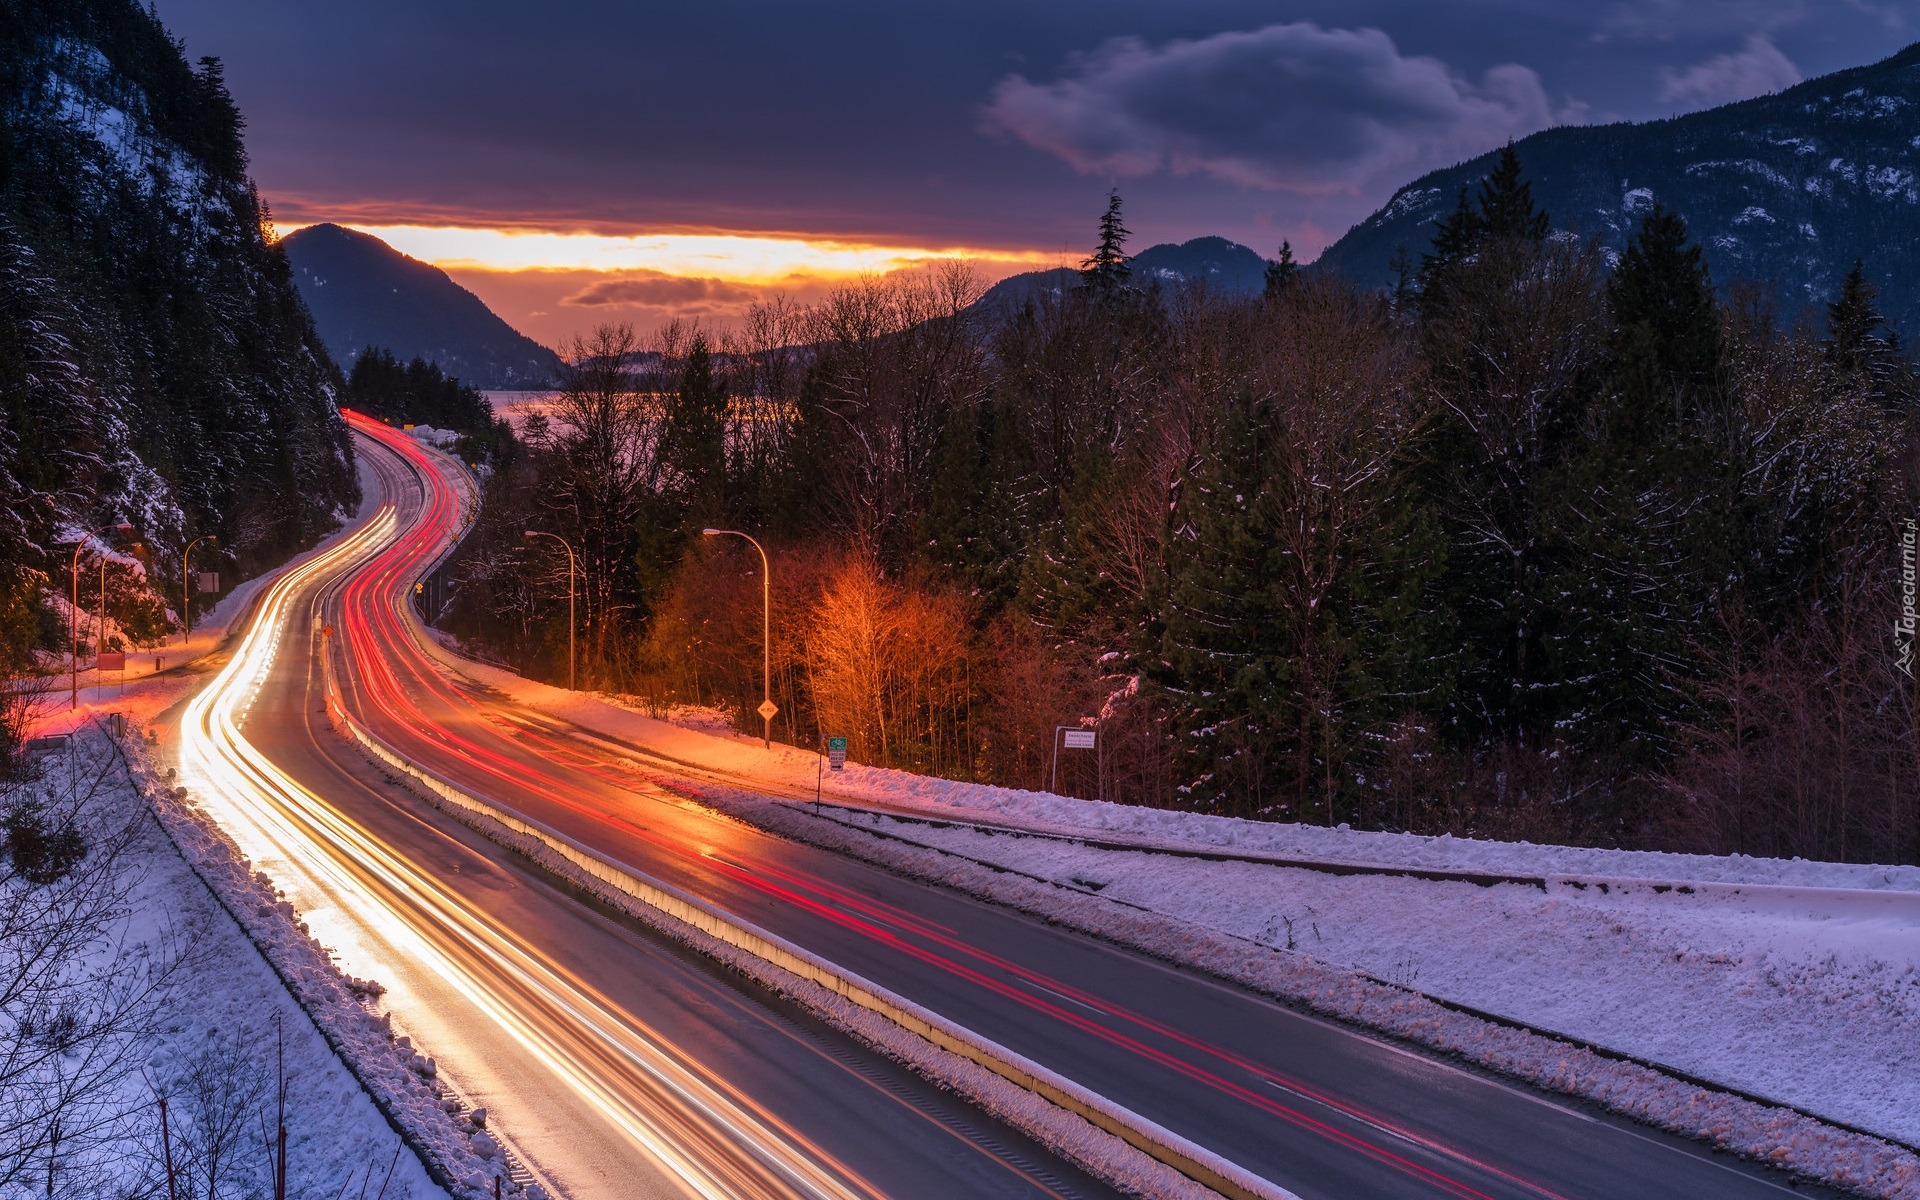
x,y
657,289
555,284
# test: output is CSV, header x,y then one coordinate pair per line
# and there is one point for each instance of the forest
x,y
1543,543
160,381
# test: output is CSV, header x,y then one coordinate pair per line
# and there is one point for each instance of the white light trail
x,y
702,1134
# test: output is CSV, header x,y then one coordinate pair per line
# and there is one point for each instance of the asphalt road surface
x,y
614,1063
1318,1108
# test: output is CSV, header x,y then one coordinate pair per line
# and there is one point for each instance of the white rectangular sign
x,y
1080,739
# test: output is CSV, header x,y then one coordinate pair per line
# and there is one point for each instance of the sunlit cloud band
x,y
742,257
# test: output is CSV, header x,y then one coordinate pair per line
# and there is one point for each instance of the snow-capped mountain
x,y
1784,190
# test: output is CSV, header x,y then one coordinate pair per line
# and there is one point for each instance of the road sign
x,y
209,582
1080,739
112,660
767,709
836,752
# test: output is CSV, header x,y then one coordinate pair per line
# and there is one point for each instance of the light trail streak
x,y
708,1137
384,644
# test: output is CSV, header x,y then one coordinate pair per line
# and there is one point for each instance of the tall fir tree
x,y
1861,343
691,491
1506,203
1105,270
1281,272
1510,327
1643,537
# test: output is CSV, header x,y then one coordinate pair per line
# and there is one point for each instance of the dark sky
x,y
990,123
994,125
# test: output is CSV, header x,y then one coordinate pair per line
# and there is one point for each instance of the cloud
x,y
657,289
1758,68
1294,107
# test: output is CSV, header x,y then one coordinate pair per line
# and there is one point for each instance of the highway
x,y
1318,1108
613,1062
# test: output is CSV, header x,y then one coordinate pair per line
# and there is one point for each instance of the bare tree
x,y
894,355
78,989
602,446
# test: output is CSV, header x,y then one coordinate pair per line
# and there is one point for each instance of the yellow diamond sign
x,y
767,709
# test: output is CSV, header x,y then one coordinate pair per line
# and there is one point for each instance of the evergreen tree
x,y
1281,272
1106,270
1405,287
1643,536
1666,341
1454,241
690,492
1862,345
1510,326
972,529
1506,203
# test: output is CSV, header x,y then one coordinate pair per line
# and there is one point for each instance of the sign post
x,y
837,753
1076,739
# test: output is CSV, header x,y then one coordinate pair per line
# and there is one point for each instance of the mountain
x,y
1219,263
156,364
362,292
1786,189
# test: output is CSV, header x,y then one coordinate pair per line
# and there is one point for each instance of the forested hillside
x,y
1541,545
157,367
1784,190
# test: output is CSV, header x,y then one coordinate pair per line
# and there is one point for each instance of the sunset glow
x,y
745,258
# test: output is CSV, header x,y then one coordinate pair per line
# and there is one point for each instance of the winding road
x,y
621,1065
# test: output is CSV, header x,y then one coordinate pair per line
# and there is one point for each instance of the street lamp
x,y
186,585
73,613
767,706
572,571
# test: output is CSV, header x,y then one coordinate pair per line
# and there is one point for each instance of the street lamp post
x,y
186,585
767,707
572,571
73,612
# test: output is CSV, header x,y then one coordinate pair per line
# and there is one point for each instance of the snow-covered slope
x,y
1786,190
156,364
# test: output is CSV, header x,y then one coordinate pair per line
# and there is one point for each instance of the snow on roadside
x,y
388,1082
1819,1008
226,1008
696,743
1807,1146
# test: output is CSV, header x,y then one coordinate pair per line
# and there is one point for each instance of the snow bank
x,y
1765,1132
227,999
1812,1001
394,1083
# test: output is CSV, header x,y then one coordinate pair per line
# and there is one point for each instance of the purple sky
x,y
991,124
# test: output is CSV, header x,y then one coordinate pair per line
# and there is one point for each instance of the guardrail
x,y
1195,1162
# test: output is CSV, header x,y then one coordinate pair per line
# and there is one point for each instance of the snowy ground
x,y
224,1017
1790,980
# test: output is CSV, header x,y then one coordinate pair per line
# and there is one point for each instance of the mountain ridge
x,y
363,293
1216,261
1785,190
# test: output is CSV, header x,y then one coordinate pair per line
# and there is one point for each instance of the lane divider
x,y
1189,1159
